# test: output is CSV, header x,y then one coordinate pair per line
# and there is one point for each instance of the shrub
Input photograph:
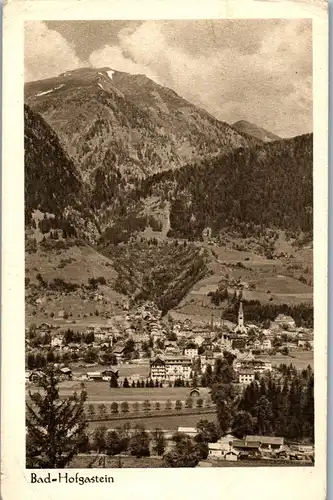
x,y
102,410
114,407
136,406
168,405
146,405
199,402
157,405
178,405
189,403
124,407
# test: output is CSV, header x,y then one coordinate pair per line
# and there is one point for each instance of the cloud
x,y
47,52
256,70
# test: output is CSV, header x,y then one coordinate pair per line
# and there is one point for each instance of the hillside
x,y
55,195
242,126
51,181
118,126
268,186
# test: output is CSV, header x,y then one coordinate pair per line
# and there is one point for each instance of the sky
x,y
254,70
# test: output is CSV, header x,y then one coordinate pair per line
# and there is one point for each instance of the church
x,y
240,328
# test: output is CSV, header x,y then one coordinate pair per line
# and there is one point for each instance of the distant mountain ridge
x,y
253,130
127,124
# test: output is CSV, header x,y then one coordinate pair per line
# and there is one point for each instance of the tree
x,y
157,405
124,407
139,443
114,407
168,405
136,406
112,443
184,454
159,441
189,403
146,405
91,410
113,380
264,413
178,405
207,431
125,384
55,428
199,402
242,424
102,410
99,439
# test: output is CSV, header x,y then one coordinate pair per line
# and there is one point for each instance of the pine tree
x,y
113,381
56,428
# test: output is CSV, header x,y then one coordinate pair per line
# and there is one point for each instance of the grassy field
x,y
275,280
125,369
101,392
169,423
300,359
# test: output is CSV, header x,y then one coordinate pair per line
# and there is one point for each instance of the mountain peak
x,y
254,130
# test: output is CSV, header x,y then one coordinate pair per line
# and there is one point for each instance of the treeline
x,y
259,313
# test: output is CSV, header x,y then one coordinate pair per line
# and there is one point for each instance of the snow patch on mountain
x,y
49,91
110,73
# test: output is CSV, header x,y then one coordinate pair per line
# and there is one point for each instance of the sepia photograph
x,y
168,184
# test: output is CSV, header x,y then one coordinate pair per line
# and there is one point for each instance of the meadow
x,y
167,423
100,392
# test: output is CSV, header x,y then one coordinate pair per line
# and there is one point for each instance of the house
x,y
189,431
118,351
65,373
56,341
238,344
107,374
231,455
246,376
266,442
194,393
191,352
221,447
244,445
170,367
266,345
284,322
215,450
94,376
199,340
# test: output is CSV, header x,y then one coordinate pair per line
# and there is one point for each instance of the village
x,y
169,350
140,367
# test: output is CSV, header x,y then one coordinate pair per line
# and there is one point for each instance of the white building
x,y
170,368
191,352
266,344
246,377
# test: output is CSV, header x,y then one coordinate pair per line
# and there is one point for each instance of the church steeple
x,y
240,315
240,328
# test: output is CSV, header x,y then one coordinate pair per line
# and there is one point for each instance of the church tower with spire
x,y
240,328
